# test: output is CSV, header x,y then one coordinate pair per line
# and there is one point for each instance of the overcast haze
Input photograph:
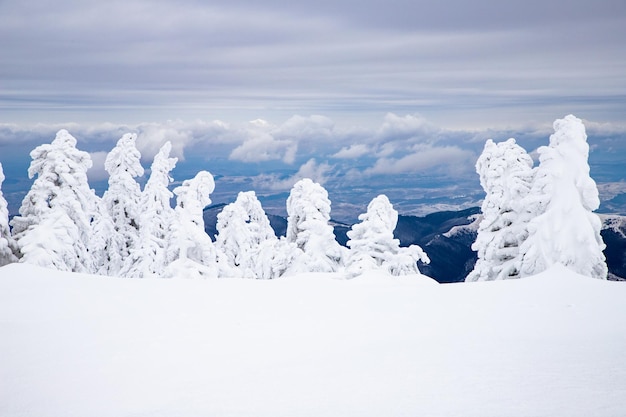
x,y
459,62
335,89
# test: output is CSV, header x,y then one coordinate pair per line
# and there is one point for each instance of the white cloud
x,y
387,149
151,137
264,141
311,127
259,143
352,152
265,148
425,158
396,127
311,169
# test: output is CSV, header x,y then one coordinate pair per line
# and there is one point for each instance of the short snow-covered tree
x,y
563,228
190,251
148,257
8,246
373,247
506,175
246,242
308,217
53,228
122,199
275,257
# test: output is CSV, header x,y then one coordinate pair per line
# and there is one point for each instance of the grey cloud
x,y
425,159
318,172
449,14
352,152
264,148
456,62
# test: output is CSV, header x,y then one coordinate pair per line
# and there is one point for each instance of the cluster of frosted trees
x,y
130,232
535,217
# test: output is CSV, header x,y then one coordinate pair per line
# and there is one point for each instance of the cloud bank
x,y
415,162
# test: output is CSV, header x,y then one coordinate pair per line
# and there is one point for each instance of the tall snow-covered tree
x,y
8,246
246,241
506,175
373,247
563,228
122,200
148,257
308,217
54,226
190,251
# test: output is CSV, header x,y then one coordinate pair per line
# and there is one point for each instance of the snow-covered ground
x,y
78,345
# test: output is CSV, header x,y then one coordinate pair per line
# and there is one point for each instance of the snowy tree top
x,y
60,156
381,210
63,137
311,197
162,164
569,143
570,131
125,156
196,190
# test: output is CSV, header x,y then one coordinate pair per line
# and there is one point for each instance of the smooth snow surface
x,y
79,345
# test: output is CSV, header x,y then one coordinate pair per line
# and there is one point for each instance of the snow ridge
x,y
547,345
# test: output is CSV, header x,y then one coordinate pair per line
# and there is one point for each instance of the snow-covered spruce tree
x,y
54,226
372,245
8,247
275,257
506,175
148,257
105,243
246,242
190,251
563,228
122,200
308,216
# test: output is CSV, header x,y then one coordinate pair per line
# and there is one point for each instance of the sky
x,y
396,96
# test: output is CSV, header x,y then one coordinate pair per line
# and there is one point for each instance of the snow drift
x,y
310,345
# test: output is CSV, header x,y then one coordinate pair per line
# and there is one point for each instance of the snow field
x,y
310,345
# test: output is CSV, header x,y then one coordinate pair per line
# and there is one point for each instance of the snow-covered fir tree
x,y
246,242
241,227
122,200
563,228
373,247
54,225
106,243
308,216
148,258
275,258
190,251
506,175
8,247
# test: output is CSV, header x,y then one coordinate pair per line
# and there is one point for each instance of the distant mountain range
x,y
447,236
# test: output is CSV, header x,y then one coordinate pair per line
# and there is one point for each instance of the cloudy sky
x,y
344,91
